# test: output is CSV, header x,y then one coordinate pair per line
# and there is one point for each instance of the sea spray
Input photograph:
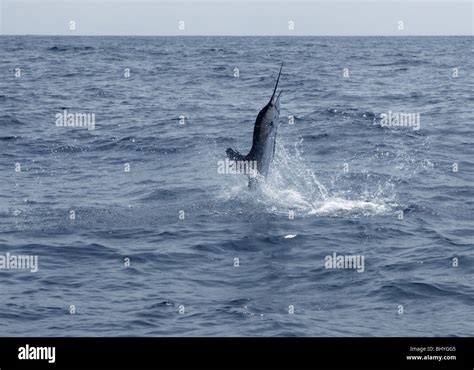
x,y
292,186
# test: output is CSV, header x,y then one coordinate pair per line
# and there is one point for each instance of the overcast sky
x,y
264,17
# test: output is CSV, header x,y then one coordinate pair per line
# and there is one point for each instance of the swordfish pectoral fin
x,y
234,155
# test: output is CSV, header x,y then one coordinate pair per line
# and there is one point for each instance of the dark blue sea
x,y
138,234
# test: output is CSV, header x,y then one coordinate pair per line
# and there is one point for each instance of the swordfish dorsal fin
x,y
276,85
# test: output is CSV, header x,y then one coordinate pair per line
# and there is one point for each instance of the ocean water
x,y
207,256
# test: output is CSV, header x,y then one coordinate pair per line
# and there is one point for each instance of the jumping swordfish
x,y
264,136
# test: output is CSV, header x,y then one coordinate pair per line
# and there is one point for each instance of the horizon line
x,y
230,35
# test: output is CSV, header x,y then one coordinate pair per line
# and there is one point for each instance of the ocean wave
x,y
351,113
7,119
402,289
402,62
61,48
9,138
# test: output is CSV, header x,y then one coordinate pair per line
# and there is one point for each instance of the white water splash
x,y
292,186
